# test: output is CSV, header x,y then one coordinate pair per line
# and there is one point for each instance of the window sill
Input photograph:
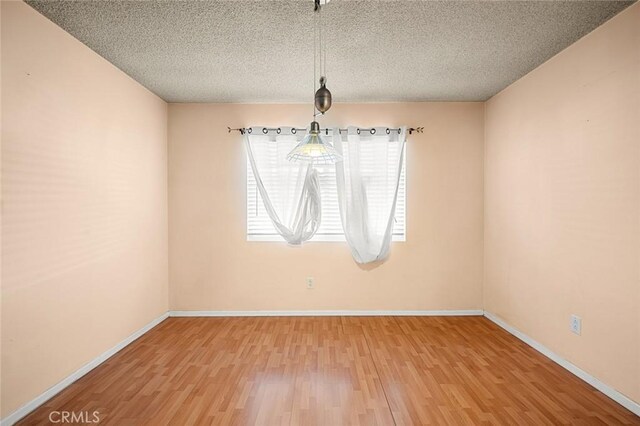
x,y
271,238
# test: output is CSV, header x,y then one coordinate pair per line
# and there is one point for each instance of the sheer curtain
x,y
367,181
290,192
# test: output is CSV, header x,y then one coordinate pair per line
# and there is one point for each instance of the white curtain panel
x,y
290,192
367,181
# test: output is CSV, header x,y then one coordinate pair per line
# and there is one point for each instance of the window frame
x,y
319,238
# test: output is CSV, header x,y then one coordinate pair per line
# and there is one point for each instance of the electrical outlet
x,y
311,283
576,324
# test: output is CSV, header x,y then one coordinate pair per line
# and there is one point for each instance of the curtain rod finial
x,y
241,130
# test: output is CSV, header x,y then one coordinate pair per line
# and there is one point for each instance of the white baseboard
x,y
618,397
55,389
450,313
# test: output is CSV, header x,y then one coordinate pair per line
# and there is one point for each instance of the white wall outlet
x,y
576,324
311,283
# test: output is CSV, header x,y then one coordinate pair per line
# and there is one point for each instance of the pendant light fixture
x,y
313,148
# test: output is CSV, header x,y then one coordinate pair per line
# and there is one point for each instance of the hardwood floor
x,y
332,371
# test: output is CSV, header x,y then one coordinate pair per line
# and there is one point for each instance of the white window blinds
x,y
259,225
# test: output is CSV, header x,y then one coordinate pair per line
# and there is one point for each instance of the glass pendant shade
x,y
313,149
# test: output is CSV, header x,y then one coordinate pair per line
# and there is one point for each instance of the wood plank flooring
x,y
332,371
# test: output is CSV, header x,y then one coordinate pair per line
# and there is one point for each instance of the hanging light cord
x,y
320,40
323,50
319,52
315,54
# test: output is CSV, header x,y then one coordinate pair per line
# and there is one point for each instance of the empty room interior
x,y
314,212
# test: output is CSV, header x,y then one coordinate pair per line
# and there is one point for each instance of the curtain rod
x,y
294,130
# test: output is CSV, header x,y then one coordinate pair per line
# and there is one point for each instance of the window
x,y
260,228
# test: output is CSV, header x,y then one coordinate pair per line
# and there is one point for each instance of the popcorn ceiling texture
x,y
261,51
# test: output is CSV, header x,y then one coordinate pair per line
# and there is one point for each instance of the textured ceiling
x,y
259,51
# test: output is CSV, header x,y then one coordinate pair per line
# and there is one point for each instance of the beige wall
x,y
84,216
562,203
213,267
84,225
